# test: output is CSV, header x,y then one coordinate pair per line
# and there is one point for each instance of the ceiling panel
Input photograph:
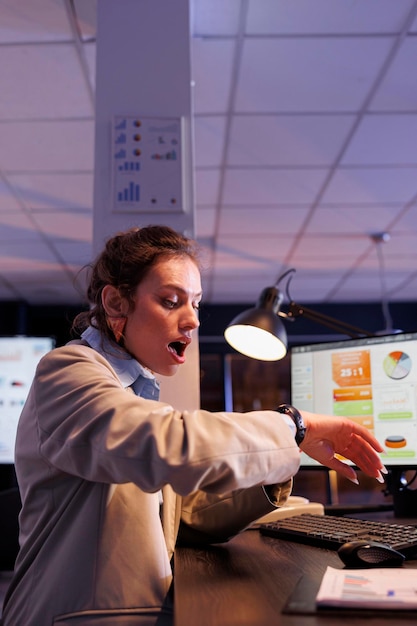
x,y
54,191
339,220
42,81
33,21
16,226
211,87
320,17
56,145
66,225
280,220
379,184
384,140
287,140
265,186
215,17
398,90
207,184
324,74
209,133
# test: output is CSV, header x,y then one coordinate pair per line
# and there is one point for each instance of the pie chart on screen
x,y
397,365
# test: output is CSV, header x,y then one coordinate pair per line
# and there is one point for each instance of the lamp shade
x,y
259,332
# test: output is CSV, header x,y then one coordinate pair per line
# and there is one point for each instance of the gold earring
x,y
117,325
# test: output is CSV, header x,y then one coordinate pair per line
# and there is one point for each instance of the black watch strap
x,y
300,428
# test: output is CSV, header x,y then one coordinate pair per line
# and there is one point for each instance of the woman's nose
x,y
191,320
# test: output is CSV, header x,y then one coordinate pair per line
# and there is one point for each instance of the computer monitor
x,y
371,380
19,357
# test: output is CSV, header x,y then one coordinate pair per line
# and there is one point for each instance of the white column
x,y
143,76
143,144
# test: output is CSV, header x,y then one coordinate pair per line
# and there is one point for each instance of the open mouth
x,y
178,347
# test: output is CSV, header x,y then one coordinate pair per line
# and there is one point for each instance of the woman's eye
x,y
170,304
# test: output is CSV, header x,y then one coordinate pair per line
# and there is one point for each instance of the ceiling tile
x,y
344,220
55,191
407,222
211,87
312,286
66,225
207,186
393,262
259,252
397,92
287,140
317,252
326,17
52,146
245,289
7,200
33,21
257,187
406,292
370,289
75,253
19,259
205,221
360,186
215,17
308,74
384,140
42,81
17,226
401,244
209,140
262,221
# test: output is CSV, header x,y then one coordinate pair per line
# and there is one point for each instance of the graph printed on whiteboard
x,y
147,164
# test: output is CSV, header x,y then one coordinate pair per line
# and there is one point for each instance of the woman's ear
x,y
113,303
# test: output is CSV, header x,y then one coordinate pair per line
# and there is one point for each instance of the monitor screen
x,y
371,380
19,357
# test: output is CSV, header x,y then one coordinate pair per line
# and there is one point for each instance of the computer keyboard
x,y
326,531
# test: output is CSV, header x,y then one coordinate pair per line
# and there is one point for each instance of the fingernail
x,y
384,470
355,481
379,478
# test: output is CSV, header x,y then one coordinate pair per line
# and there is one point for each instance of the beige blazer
x,y
92,461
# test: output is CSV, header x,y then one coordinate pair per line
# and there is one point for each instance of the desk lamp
x,y
260,334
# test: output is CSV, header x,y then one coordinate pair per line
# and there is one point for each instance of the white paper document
x,y
374,588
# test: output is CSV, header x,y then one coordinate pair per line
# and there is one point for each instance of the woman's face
x,y
159,328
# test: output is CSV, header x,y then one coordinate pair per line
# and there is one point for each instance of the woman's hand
x,y
327,436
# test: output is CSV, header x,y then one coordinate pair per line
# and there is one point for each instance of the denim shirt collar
x,y
130,372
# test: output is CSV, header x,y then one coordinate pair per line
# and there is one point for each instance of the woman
x,y
110,477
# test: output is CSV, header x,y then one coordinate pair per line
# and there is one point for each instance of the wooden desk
x,y
247,582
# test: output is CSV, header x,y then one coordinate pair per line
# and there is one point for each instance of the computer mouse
x,y
362,553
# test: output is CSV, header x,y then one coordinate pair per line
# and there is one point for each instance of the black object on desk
x,y
367,554
329,532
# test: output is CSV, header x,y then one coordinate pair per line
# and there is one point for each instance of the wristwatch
x,y
300,427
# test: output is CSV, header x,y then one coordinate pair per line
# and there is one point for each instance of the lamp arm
x,y
297,310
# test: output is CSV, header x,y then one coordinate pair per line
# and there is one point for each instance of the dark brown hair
x,y
126,259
